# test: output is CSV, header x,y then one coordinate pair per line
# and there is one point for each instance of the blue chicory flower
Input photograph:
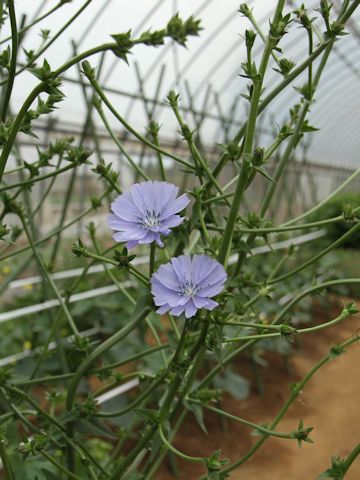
x,y
147,211
186,284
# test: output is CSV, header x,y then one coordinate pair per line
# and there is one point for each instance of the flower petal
x,y
175,206
176,311
190,310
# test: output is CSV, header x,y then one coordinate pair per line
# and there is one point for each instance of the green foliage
x,y
234,384
52,417
336,471
345,205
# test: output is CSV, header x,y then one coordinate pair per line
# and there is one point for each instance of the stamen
x,y
188,289
151,219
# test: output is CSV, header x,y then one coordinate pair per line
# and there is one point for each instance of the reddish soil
x,y
330,403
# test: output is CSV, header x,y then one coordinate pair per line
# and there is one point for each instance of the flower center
x,y
188,289
151,219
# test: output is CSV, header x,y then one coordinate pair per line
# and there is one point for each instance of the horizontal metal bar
x,y
64,274
49,304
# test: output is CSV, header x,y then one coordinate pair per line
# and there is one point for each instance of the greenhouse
x,y
179,240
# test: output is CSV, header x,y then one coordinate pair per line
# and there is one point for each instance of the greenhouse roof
x,y
206,73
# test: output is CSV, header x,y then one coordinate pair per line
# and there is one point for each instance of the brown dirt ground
x,y
330,403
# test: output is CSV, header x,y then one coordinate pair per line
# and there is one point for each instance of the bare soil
x,y
330,403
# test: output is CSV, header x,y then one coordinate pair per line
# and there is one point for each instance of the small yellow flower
x,y
27,345
28,287
6,270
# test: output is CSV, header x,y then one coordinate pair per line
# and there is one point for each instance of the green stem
x,y
297,134
53,421
100,350
159,157
196,356
176,451
12,68
17,124
198,159
295,392
325,200
270,97
53,232
128,127
288,228
152,259
255,426
52,40
117,142
95,371
85,365
9,475
350,459
159,457
48,278
328,324
205,234
227,358
31,181
132,269
313,259
248,142
156,338
169,398
59,466
121,288
135,403
37,20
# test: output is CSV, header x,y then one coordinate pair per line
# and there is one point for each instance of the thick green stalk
x,y
270,97
17,124
85,365
350,458
100,350
197,355
52,40
169,398
298,132
248,141
12,68
37,20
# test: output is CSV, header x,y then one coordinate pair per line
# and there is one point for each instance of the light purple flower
x,y
186,284
146,212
